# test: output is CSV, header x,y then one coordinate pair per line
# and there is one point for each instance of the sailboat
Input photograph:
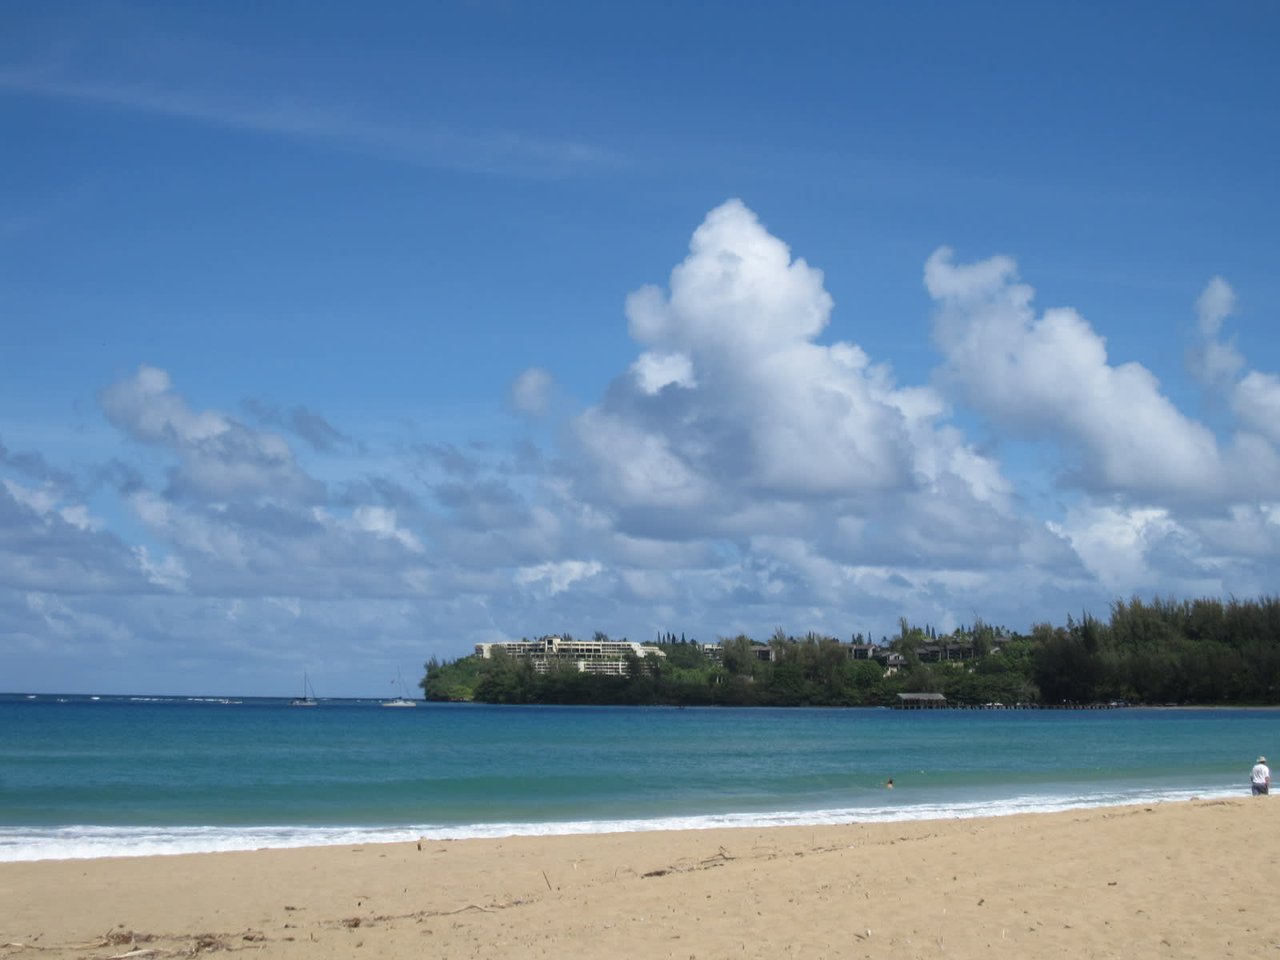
x,y
308,698
402,700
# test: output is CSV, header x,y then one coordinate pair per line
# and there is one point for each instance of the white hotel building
x,y
608,657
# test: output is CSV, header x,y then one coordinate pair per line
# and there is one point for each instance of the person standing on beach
x,y
1260,777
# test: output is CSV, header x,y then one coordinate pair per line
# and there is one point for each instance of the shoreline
x,y
1181,879
31,844
265,699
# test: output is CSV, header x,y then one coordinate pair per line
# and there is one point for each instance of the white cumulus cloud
x,y
557,577
1047,377
221,458
762,408
1256,402
747,467
1214,362
531,392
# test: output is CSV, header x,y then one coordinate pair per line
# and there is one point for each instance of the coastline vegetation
x,y
1187,652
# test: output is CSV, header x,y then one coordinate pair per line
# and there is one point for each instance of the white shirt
x,y
1261,773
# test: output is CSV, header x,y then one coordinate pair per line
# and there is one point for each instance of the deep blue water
x,y
81,776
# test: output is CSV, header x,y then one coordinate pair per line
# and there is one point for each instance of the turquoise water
x,y
116,775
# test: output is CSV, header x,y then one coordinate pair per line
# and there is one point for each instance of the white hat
x,y
1262,759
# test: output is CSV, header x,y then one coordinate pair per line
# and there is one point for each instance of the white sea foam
x,y
87,842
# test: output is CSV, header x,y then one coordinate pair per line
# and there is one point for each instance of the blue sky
x,y
334,340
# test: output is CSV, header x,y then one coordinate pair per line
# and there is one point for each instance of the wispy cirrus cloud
x,y
300,117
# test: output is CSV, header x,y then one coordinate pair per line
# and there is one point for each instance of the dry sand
x,y
1196,880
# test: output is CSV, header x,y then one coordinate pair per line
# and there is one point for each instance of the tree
x,y
504,679
908,641
981,638
738,656
1065,670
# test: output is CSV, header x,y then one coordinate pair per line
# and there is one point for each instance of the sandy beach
x,y
1195,880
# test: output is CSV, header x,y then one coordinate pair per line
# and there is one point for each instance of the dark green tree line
x,y
1149,651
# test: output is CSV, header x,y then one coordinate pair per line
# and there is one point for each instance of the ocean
x,y
117,776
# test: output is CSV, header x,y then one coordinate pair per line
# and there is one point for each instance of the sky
x,y
337,339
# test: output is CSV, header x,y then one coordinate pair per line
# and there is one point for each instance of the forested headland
x,y
1202,652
